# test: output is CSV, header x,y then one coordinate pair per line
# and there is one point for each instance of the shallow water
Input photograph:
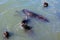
x,y
10,20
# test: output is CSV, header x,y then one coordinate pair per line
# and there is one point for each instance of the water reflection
x,y
32,34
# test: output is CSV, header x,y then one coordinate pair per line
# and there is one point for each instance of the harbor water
x,y
10,20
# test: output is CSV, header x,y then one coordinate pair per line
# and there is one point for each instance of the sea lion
x,y
34,15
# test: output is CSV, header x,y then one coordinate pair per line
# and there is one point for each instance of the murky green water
x,y
10,19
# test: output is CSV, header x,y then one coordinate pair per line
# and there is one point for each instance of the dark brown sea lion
x,y
32,14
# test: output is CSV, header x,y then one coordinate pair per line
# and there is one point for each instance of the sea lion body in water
x,y
45,4
24,25
32,14
6,34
